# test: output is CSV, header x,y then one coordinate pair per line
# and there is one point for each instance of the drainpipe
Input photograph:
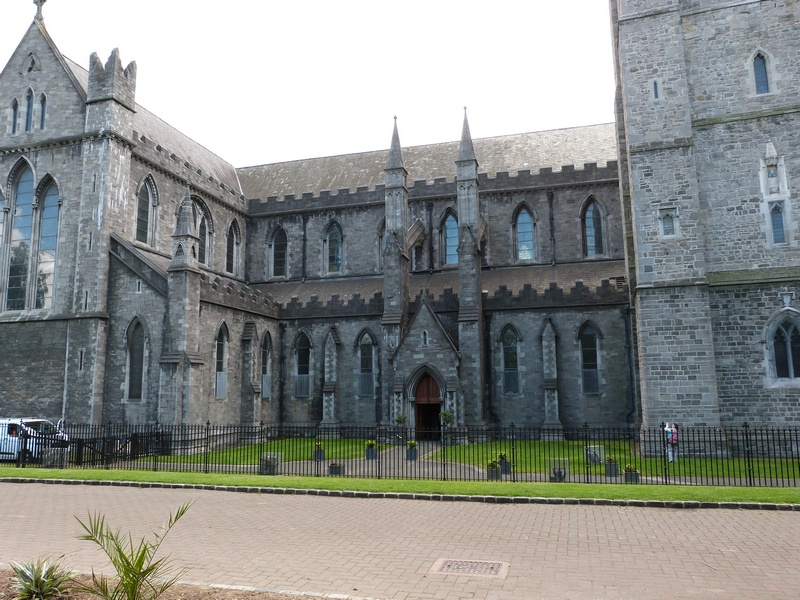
x,y
626,317
281,371
552,227
305,243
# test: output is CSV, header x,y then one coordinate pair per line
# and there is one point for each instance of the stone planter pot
x,y
612,469
505,467
632,477
319,454
335,469
494,474
411,454
371,453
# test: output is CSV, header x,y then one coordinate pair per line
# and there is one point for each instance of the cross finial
x,y
39,4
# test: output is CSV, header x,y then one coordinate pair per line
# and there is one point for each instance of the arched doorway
x,y
427,405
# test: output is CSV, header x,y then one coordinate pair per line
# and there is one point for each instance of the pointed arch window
x,y
46,254
145,213
450,240
42,111
232,251
202,244
302,359
136,343
221,363
590,373
760,73
786,350
593,230
279,253
14,115
266,367
524,235
333,254
29,111
366,373
777,223
510,341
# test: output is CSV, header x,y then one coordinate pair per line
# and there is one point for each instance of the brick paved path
x,y
386,548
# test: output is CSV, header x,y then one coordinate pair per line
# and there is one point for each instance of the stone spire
x,y
395,153
465,150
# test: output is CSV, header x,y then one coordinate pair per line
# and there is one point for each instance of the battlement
x,y
173,164
567,175
236,295
334,306
112,82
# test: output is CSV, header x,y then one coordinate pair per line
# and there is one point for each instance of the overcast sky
x,y
262,81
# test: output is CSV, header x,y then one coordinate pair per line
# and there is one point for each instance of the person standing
x,y
671,433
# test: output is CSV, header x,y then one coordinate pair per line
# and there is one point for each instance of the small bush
x,y
139,575
40,580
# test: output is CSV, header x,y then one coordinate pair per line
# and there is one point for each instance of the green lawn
x,y
483,488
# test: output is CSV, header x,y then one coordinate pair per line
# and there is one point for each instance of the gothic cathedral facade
x,y
614,275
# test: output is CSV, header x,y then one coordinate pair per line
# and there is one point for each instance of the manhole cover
x,y
473,568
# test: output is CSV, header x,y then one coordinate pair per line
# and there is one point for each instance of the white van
x,y
28,436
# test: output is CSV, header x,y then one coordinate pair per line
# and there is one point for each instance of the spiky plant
x,y
40,580
140,576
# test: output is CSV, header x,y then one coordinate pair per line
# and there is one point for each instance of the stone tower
x,y
708,135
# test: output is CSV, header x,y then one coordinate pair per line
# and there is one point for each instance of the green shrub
x,y
40,580
139,575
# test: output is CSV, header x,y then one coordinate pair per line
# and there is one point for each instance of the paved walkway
x,y
392,548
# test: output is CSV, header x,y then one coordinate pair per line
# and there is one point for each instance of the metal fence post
x,y
513,452
208,444
748,454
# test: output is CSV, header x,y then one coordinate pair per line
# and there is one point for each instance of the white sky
x,y
261,81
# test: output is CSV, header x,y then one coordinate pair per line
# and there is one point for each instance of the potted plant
x,y
411,450
319,452
335,469
612,468
505,464
372,450
446,418
400,419
631,474
493,471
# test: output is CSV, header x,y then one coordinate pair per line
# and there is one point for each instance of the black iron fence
x,y
738,456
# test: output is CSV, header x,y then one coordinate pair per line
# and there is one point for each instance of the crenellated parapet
x,y
335,306
111,82
545,178
235,295
609,291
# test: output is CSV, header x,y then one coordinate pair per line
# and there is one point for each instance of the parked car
x,y
26,439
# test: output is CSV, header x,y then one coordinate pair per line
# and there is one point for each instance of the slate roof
x,y
159,131
509,153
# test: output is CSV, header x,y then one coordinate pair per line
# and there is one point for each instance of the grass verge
x,y
424,486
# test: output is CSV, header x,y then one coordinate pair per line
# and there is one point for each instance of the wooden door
x,y
427,406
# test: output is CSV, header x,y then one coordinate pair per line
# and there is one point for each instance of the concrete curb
x,y
692,504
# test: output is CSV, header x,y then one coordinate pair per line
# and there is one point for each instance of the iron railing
x,y
734,456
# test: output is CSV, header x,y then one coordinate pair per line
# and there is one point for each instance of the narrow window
x,y
136,342
42,111
760,72
593,230
786,345
334,249
221,363
668,224
46,254
366,378
589,362
145,201
303,366
451,240
20,246
29,111
510,365
266,367
524,232
230,255
776,219
14,115
202,233
655,90
279,247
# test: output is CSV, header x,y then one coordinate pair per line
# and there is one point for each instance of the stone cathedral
x,y
617,275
